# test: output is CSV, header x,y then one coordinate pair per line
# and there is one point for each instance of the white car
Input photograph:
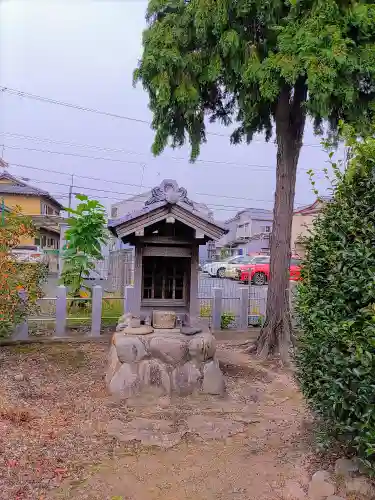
x,y
29,254
217,269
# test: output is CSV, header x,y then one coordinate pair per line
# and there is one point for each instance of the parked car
x,y
217,269
231,270
29,254
259,273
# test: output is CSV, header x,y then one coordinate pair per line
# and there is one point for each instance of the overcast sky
x,y
84,52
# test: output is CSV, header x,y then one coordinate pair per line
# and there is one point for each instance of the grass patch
x,y
66,356
112,309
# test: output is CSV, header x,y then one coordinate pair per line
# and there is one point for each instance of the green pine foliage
x,y
231,60
336,308
253,64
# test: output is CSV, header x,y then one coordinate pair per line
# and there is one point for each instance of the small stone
x,y
125,319
163,319
130,349
142,330
186,378
202,347
134,323
213,379
125,382
170,349
121,326
19,377
360,485
321,486
208,427
113,364
321,475
346,467
153,375
159,433
293,491
189,330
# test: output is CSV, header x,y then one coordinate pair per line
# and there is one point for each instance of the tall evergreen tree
x,y
260,64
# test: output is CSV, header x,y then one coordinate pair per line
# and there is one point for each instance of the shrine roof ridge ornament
x,y
169,191
167,199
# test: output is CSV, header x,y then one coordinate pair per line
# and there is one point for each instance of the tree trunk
x,y
290,115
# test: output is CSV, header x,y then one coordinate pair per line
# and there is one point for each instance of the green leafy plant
x,y
20,283
205,311
251,65
227,318
84,239
335,307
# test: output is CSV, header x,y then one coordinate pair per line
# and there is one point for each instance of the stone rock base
x,y
163,363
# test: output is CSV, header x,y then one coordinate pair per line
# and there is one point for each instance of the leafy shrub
x,y
227,318
18,281
335,308
87,232
205,311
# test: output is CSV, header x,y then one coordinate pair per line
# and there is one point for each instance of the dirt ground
x,y
54,412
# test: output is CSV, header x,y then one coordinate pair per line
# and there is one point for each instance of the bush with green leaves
x,y
335,307
84,239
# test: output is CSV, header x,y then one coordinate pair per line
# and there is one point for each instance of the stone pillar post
x,y
244,308
217,308
96,314
60,311
194,280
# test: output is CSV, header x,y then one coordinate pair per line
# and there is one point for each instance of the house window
x,y
37,242
266,229
164,278
44,241
114,212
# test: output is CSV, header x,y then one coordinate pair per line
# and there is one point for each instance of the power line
x,y
143,164
129,194
57,102
126,184
124,151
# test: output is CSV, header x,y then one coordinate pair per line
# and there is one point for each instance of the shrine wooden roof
x,y
166,200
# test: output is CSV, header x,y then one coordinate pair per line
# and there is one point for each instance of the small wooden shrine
x,y
166,232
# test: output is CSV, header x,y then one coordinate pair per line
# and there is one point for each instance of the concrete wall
x,y
300,228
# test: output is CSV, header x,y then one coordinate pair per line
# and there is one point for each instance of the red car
x,y
260,273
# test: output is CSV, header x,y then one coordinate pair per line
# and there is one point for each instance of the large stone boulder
x,y
202,347
213,379
153,375
186,379
125,382
170,349
130,349
163,363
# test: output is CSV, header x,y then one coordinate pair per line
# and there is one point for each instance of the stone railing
x,y
247,307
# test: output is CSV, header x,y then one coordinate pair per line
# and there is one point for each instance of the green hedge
x,y
336,309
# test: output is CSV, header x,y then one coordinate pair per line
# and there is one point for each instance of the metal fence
x,y
231,300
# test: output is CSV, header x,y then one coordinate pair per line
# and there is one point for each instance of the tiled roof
x,y
254,213
21,188
312,206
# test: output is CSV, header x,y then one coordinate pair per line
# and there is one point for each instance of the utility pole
x,y
71,191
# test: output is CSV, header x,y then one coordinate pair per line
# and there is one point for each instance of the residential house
x,y
40,205
249,232
303,219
